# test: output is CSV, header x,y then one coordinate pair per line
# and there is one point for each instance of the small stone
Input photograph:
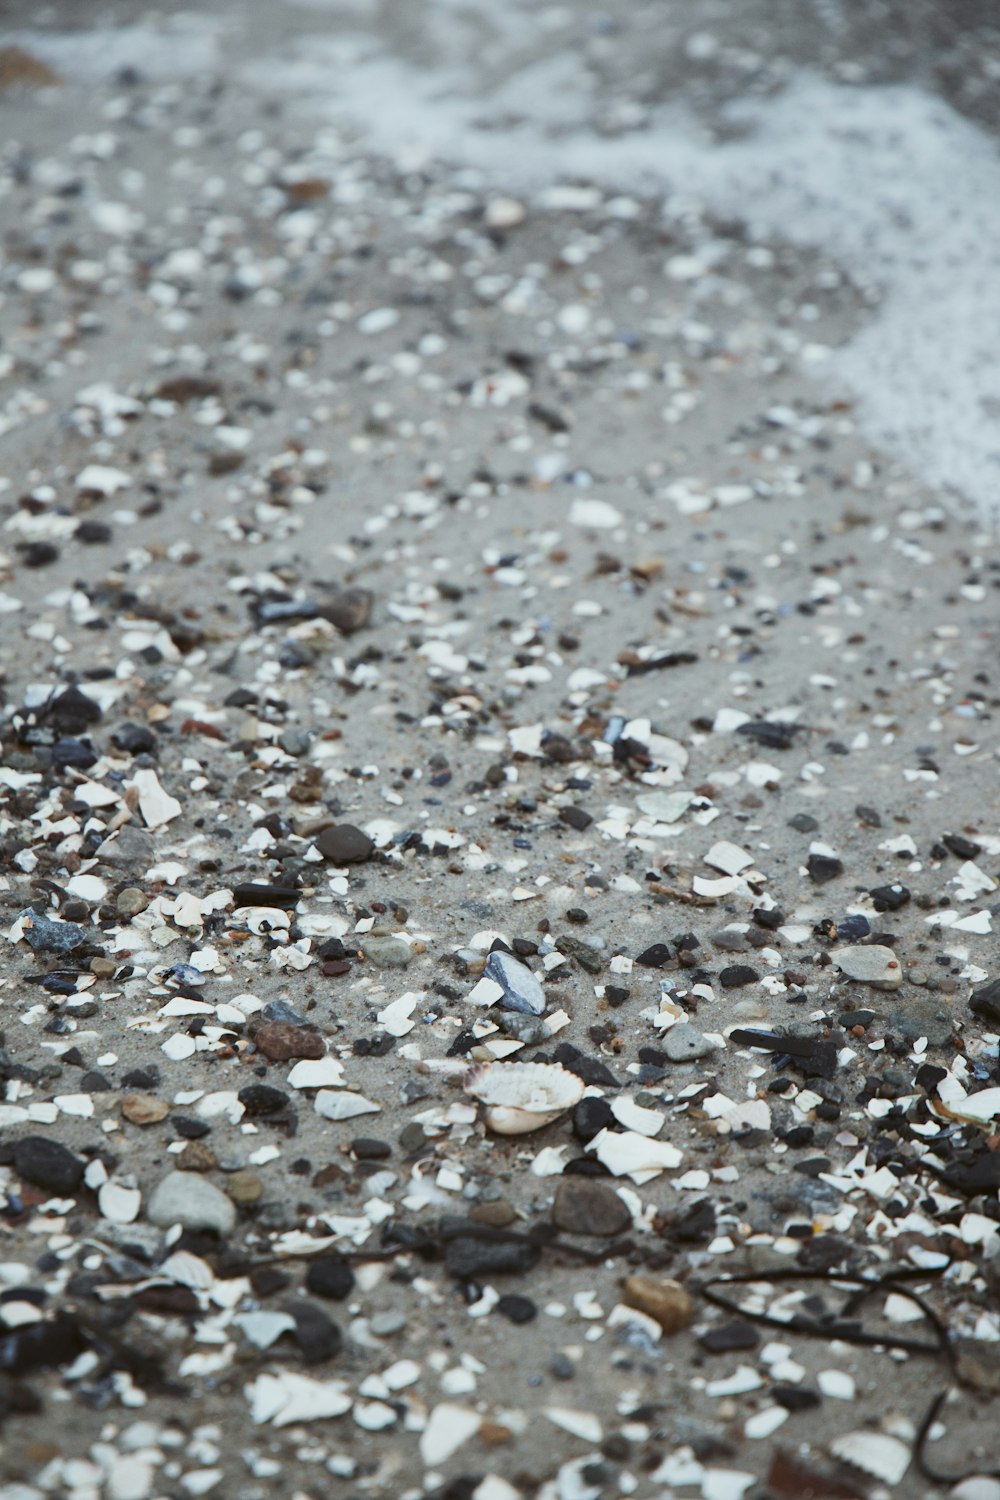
x,y
366,1148
244,1187
871,964
655,956
280,1040
496,1212
889,897
348,609
262,1099
412,1137
590,1117
587,956
921,1015
387,952
44,935
523,1028
466,1257
131,845
47,1164
197,1157
131,901
666,1302
583,1205
824,867
985,1002
517,1309
329,1276
317,1336
737,975
685,1043
575,817
102,967
384,1324
728,1338
522,991
345,845
144,1109
187,1199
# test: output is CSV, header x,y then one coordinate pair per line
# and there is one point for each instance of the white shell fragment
x,y
156,805
625,1153
521,1097
876,1453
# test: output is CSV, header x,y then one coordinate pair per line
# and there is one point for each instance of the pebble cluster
x,y
499,844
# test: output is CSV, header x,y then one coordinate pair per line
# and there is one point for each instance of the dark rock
x,y
366,1148
921,1015
134,739
985,1002
330,1276
823,867
317,1336
726,1338
517,1309
803,823
575,817
737,975
345,845
795,1398
655,956
889,897
961,847
284,897
587,957
775,734
590,1117
262,1099
590,1069
70,712
47,1164
41,1346
586,1206
468,1256
48,935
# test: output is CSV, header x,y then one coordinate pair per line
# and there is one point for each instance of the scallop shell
x,y
521,1097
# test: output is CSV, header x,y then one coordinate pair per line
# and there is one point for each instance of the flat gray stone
x,y
189,1199
586,1206
387,952
685,1043
923,1015
871,964
129,846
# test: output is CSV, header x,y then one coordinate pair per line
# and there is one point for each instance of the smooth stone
x,y
872,965
187,1199
666,1302
131,901
131,845
280,1040
330,1276
144,1109
348,609
496,1212
244,1187
585,1206
387,952
47,1164
521,990
384,1324
924,1015
467,1256
522,1027
685,1043
43,935
345,845
985,1002
591,1116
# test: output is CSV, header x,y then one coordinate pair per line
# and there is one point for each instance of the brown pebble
x,y
281,1040
196,1157
496,1211
102,967
666,1302
244,1187
332,968
493,1434
144,1109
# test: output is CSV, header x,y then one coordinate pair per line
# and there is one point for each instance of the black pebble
x,y
317,1336
576,817
468,1256
262,1099
134,739
737,975
366,1148
889,897
795,1397
517,1309
47,1164
822,867
590,1117
728,1337
189,1128
330,1276
655,956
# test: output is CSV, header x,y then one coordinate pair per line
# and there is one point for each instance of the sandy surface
x,y
616,357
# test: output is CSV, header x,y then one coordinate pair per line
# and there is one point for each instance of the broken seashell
x,y
520,1097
